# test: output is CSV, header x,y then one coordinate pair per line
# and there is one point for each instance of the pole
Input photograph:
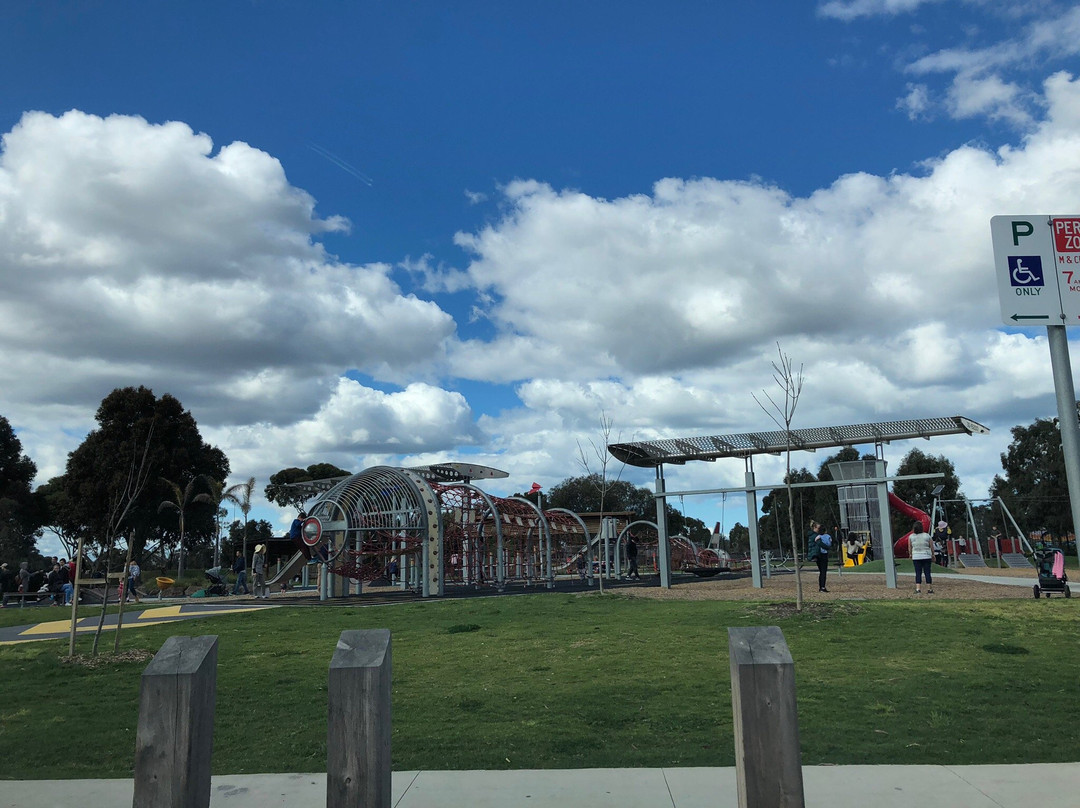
x,y
751,519
886,528
1067,414
663,550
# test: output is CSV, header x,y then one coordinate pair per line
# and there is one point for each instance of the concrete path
x,y
1017,786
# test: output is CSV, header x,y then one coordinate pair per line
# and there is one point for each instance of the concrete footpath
x,y
1018,786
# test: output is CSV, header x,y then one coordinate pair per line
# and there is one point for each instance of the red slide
x,y
902,548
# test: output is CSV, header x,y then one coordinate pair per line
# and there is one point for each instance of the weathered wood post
x,y
175,736
358,724
768,762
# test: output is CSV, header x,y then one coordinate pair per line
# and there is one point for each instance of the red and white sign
x,y
311,531
1066,235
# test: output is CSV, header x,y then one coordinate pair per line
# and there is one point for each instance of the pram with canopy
x,y
217,585
1052,576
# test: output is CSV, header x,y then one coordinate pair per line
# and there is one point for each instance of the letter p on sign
x,y
1021,229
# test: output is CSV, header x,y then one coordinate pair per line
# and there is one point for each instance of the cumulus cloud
x,y
664,310
356,420
134,253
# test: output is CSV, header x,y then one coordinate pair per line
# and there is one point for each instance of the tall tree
x,y
240,495
280,491
773,525
1034,487
180,499
739,538
919,493
99,466
258,531
56,512
582,495
19,517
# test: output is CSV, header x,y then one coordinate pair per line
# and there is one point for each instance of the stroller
x,y
1052,577
217,584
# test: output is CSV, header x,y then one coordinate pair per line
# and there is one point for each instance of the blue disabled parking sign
x,y
1025,270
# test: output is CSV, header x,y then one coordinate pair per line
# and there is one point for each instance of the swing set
x,y
1007,549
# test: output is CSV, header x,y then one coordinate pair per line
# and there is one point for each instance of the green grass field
x,y
565,681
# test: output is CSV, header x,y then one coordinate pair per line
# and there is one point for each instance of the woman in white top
x,y
922,553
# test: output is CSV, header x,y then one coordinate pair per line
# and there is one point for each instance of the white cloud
x,y
662,309
848,10
988,96
916,103
990,79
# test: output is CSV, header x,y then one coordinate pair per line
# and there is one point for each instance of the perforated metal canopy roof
x,y
681,450
439,473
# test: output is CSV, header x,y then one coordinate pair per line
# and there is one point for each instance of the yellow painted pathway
x,y
58,629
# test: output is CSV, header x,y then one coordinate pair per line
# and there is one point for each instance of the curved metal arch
x,y
380,498
626,529
431,577
543,522
585,530
500,572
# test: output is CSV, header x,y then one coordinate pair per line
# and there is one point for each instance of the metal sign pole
x,y
1067,416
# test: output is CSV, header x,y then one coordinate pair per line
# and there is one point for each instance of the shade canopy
x,y
679,451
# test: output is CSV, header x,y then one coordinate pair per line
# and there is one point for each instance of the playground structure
x,y
439,531
656,454
430,528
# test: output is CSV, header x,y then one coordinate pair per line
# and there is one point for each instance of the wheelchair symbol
x,y
1025,270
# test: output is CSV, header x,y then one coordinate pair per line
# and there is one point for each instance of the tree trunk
x,y
794,545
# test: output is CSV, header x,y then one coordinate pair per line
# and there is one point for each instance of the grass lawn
x,y
568,681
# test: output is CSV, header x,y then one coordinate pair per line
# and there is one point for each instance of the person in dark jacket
x,y
631,558
821,554
240,568
55,581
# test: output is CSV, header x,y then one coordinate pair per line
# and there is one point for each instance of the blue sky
x,y
386,232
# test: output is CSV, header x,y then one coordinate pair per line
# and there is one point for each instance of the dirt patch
x,y
849,586
107,658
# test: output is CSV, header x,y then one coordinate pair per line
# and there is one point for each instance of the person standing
x,y
631,558
258,570
922,553
821,554
239,567
134,579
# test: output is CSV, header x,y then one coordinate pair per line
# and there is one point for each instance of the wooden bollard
x,y
768,762
359,721
175,737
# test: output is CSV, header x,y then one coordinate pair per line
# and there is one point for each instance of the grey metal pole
x,y
664,551
886,528
1067,416
751,518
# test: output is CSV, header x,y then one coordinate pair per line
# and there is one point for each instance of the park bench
x,y
22,597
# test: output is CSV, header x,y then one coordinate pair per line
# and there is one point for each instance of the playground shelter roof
x,y
651,453
436,473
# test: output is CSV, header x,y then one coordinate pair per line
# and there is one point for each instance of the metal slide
x,y
291,568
